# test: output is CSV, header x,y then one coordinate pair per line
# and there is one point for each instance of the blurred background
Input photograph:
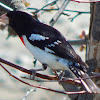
x,y
13,50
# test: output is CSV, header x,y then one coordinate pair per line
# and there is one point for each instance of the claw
x,y
61,75
32,77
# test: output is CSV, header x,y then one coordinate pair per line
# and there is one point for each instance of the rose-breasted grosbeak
x,y
48,46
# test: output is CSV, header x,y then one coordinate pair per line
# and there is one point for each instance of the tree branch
x,y
5,8
41,87
68,80
60,11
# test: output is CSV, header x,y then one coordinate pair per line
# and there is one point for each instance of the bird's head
x,y
19,21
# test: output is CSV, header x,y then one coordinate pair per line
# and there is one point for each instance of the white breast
x,y
45,57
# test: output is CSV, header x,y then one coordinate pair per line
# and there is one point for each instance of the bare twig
x,y
68,80
75,16
51,3
53,78
45,88
27,93
77,42
63,80
56,9
26,70
5,8
86,1
60,11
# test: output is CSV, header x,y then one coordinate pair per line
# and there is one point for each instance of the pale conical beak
x,y
4,19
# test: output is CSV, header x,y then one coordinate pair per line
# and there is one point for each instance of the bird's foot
x,y
32,77
61,75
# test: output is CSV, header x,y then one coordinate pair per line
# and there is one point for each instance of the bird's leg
x,y
33,74
61,75
35,70
55,72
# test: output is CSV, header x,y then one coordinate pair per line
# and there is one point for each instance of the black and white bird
x,y
48,46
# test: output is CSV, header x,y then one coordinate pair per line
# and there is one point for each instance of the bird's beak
x,y
4,19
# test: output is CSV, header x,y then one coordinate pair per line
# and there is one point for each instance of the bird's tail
x,y
86,81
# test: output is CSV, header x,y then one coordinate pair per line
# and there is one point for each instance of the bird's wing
x,y
51,40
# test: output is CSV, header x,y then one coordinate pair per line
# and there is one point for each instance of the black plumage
x,y
22,23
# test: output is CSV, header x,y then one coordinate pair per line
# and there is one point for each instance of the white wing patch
x,y
37,37
55,43
58,41
51,45
48,50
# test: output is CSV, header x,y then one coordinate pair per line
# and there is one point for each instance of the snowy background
x,y
14,51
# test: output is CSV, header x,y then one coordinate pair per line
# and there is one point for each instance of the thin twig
x,y
6,8
53,78
75,16
64,80
69,80
86,1
46,9
45,88
60,11
51,3
77,42
26,70
27,93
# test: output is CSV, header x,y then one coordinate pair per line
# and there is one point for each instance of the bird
x,y
48,46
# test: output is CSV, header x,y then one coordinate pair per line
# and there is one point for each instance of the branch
x,y
45,88
68,80
26,70
51,3
77,42
53,78
46,9
5,8
86,1
75,16
60,11
28,93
